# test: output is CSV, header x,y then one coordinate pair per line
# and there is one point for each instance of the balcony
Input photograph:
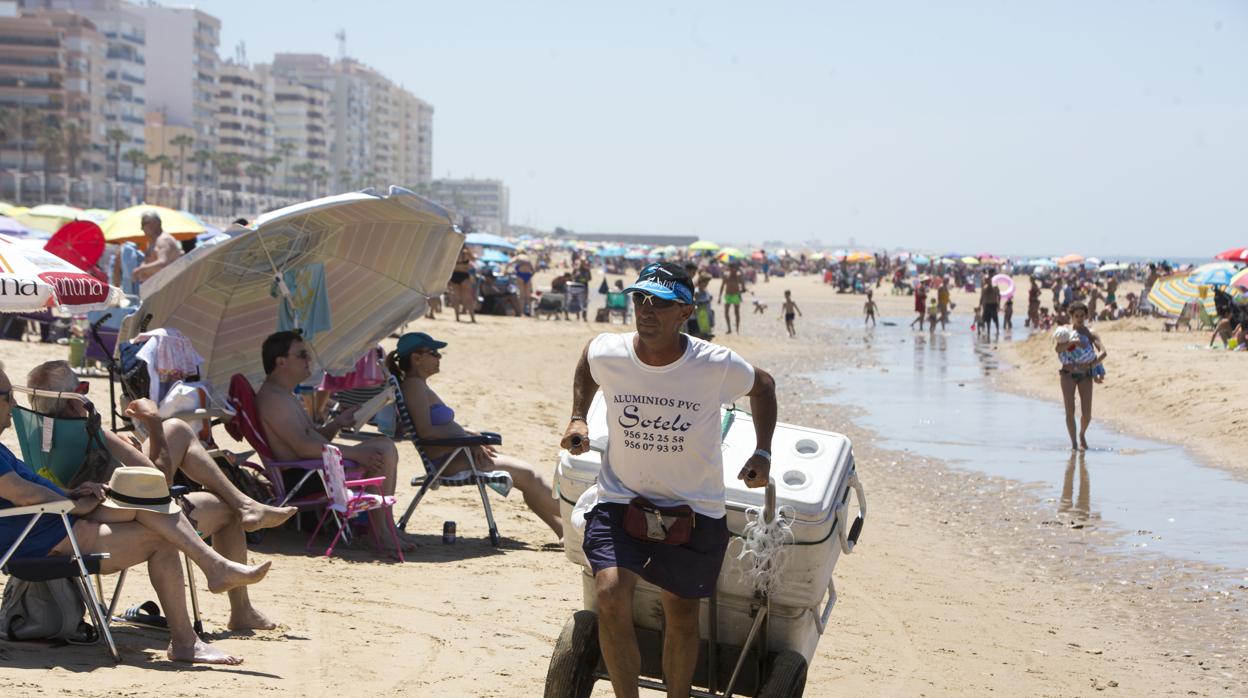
x,y
134,38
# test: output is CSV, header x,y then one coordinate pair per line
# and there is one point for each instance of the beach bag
x,y
50,610
135,381
648,522
604,288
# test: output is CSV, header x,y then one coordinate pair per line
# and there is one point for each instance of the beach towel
x,y
305,301
170,358
131,257
367,373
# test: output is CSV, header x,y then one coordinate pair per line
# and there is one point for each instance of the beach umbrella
x,y
1113,266
123,226
14,228
1041,263
1240,280
49,217
856,257
704,246
1069,259
1170,294
34,279
488,240
494,257
922,259
1006,284
81,243
730,254
1215,274
970,261
346,270
1238,254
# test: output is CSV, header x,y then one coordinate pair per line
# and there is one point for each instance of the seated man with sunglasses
x,y
663,393
220,511
292,433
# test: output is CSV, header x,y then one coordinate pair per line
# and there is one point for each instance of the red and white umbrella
x,y
33,279
1238,254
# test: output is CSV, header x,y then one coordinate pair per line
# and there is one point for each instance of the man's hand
x,y
755,472
346,417
144,410
576,438
88,489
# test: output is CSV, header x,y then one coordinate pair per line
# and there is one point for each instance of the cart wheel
x,y
787,678
495,539
572,664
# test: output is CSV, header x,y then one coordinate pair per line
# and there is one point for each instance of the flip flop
x,y
146,614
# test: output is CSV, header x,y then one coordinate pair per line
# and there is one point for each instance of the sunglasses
x,y
7,395
647,299
433,352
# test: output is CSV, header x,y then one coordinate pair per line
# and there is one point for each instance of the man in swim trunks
x,y
730,289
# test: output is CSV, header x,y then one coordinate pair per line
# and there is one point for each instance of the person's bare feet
x,y
250,619
257,516
233,575
1083,442
202,653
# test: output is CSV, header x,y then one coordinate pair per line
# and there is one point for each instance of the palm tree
x,y
227,164
201,158
117,137
166,164
50,143
183,141
137,159
257,171
75,143
321,178
28,122
305,171
284,150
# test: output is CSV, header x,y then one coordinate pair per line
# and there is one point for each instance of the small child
x,y
933,313
1009,313
790,308
1074,348
869,309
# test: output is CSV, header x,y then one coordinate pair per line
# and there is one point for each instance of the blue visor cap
x,y
415,341
666,281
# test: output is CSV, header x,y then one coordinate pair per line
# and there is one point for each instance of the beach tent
x,y
1170,294
1238,254
124,226
488,240
346,270
704,246
1215,274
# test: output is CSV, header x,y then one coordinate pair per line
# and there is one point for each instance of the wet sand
x,y
960,586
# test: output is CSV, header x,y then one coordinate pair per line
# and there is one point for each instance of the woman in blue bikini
x,y
1078,377
417,358
523,269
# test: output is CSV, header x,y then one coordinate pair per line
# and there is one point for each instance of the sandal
x,y
146,614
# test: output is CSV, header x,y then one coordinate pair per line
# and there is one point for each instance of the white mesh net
x,y
763,546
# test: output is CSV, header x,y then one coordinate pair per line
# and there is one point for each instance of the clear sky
x,y
1087,126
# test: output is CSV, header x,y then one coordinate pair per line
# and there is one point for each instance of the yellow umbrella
x,y
123,226
855,257
1069,259
704,246
730,254
970,261
49,217
5,207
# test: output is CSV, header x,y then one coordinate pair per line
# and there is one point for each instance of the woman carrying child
x,y
1078,371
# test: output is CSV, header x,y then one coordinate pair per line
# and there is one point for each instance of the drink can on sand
x,y
448,532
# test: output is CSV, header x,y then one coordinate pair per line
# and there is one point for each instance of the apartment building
x,y
84,130
484,202
416,142
243,128
182,84
32,86
300,134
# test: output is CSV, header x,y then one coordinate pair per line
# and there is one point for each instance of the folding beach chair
x,y
433,478
550,304
617,304
60,449
347,498
245,425
1207,321
77,567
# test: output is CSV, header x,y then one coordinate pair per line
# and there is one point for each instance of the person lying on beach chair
x,y
293,436
220,511
418,358
130,532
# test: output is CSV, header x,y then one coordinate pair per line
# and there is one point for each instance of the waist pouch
x,y
671,525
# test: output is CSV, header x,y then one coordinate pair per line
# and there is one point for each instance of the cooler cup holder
x,y
794,479
808,448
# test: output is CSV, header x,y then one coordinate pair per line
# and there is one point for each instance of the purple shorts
x,y
689,571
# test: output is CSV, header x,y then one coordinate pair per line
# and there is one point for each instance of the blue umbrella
x,y
922,259
1216,274
1041,263
494,257
488,240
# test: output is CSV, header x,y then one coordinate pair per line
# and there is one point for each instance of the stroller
x,y
754,643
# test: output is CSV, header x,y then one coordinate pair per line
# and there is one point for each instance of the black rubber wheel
x,y
787,678
572,664
495,539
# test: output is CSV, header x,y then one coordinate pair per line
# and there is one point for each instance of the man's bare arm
x,y
285,422
763,408
583,389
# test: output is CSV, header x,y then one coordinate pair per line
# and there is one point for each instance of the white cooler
x,y
814,473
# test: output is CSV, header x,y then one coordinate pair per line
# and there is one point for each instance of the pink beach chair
x,y
348,498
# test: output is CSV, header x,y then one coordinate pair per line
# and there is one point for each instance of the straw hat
x,y
140,488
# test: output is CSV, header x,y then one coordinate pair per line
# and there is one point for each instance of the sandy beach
x,y
957,589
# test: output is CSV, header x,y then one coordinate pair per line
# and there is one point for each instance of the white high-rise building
x,y
299,121
182,77
484,202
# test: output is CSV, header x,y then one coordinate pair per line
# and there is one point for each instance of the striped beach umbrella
x,y
1170,294
1240,280
346,270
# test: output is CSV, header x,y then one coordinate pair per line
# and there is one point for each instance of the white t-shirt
x,y
663,422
